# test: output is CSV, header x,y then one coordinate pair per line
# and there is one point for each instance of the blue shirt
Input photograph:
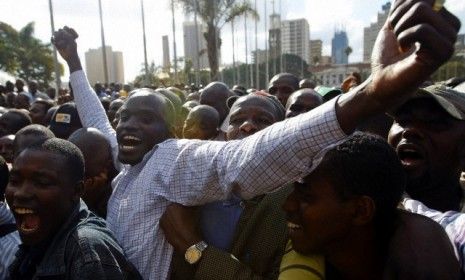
x,y
8,243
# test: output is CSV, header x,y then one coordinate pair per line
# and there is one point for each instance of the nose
x,y
22,192
129,123
412,130
249,127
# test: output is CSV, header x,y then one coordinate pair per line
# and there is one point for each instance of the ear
x,y
78,190
365,208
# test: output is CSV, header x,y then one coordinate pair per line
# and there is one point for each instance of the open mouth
x,y
27,219
409,156
129,143
293,228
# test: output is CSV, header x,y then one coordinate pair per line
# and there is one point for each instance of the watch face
x,y
192,255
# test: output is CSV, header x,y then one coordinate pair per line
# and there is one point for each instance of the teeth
x,y
127,148
129,137
293,226
23,211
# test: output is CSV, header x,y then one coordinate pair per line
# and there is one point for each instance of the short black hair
x,y
22,120
4,176
47,103
365,164
73,158
39,132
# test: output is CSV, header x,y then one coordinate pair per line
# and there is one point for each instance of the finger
x,y
434,48
402,7
452,19
422,13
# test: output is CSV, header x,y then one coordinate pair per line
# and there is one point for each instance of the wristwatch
x,y
194,252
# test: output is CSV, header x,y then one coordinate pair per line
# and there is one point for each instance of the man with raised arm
x,y
158,170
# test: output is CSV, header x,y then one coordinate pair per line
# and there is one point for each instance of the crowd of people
x,y
294,181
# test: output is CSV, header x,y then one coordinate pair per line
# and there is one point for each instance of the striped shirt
x,y
8,243
193,172
453,222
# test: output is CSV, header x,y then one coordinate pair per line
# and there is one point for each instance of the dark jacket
x,y
84,248
258,245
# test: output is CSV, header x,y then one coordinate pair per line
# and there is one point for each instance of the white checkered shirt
x,y
193,172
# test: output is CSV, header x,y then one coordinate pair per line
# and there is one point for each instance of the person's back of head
x,y
202,122
99,168
307,83
29,136
12,121
215,95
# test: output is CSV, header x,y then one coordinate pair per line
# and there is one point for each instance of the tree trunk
x,y
213,44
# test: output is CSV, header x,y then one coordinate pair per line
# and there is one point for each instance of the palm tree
x,y
348,52
215,14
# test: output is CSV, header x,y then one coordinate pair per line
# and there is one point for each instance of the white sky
x,y
123,25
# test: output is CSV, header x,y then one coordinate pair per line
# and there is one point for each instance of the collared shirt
x,y
8,243
83,248
194,172
453,223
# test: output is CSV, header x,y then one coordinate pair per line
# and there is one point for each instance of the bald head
x,y
215,95
302,101
282,85
202,122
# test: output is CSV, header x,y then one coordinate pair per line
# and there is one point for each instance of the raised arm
x,y
89,106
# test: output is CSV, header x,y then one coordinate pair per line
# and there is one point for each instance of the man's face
x,y
249,115
22,102
318,220
300,103
40,195
6,147
141,126
32,87
37,113
114,107
282,88
428,141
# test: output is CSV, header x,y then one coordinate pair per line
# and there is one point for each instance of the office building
x,y
316,49
166,52
371,32
94,65
195,44
339,44
295,38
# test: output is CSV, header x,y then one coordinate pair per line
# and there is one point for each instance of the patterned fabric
x,y
453,222
83,248
193,172
8,243
258,245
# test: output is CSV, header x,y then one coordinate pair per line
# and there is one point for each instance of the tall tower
x,y
166,53
371,32
295,38
339,44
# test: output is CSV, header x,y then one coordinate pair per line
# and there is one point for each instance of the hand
x,y
411,46
65,41
180,226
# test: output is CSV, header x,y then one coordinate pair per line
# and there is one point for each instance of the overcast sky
x,y
123,25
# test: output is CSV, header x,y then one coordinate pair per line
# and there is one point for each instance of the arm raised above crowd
x,y
89,106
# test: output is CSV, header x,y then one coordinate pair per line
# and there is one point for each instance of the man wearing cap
x,y
65,121
428,133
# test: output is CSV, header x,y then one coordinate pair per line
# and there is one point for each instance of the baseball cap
x,y
451,100
65,120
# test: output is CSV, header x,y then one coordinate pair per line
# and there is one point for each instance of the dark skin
x,y
37,113
429,143
114,107
215,95
6,147
201,123
302,101
21,102
248,115
282,86
395,73
7,123
38,185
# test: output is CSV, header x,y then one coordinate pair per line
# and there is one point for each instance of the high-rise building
x,y
193,36
166,52
274,37
316,49
94,65
339,44
371,32
295,38
259,55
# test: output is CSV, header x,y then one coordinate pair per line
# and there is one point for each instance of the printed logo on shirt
x,y
63,118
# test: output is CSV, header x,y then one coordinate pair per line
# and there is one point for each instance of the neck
x,y
441,194
359,257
